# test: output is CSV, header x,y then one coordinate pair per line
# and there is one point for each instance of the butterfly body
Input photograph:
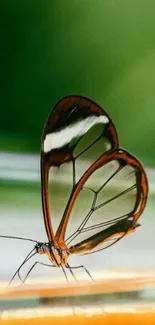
x,y
105,181
56,255
59,257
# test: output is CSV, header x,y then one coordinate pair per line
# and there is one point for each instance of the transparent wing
x,y
77,133
112,195
98,192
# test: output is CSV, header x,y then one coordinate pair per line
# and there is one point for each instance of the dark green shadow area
x,y
102,49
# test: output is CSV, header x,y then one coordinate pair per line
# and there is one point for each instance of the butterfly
x,y
108,186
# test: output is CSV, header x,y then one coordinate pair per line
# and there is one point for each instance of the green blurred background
x,y
103,49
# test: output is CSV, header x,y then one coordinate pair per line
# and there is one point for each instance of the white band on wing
x,y
60,138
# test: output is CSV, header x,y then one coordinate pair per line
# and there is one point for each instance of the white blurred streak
x,y
19,167
26,167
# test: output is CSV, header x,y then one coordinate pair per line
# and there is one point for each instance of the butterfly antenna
x,y
20,238
25,260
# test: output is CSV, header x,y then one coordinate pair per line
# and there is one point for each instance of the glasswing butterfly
x,y
108,186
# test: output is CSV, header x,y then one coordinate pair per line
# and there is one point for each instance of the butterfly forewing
x,y
77,133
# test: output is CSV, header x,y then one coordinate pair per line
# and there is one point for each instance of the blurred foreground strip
x,y
77,311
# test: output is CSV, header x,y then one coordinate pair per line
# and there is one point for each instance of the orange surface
x,y
58,287
110,315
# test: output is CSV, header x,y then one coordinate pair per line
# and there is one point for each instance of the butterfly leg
x,y
70,269
28,257
19,269
64,273
32,267
79,267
